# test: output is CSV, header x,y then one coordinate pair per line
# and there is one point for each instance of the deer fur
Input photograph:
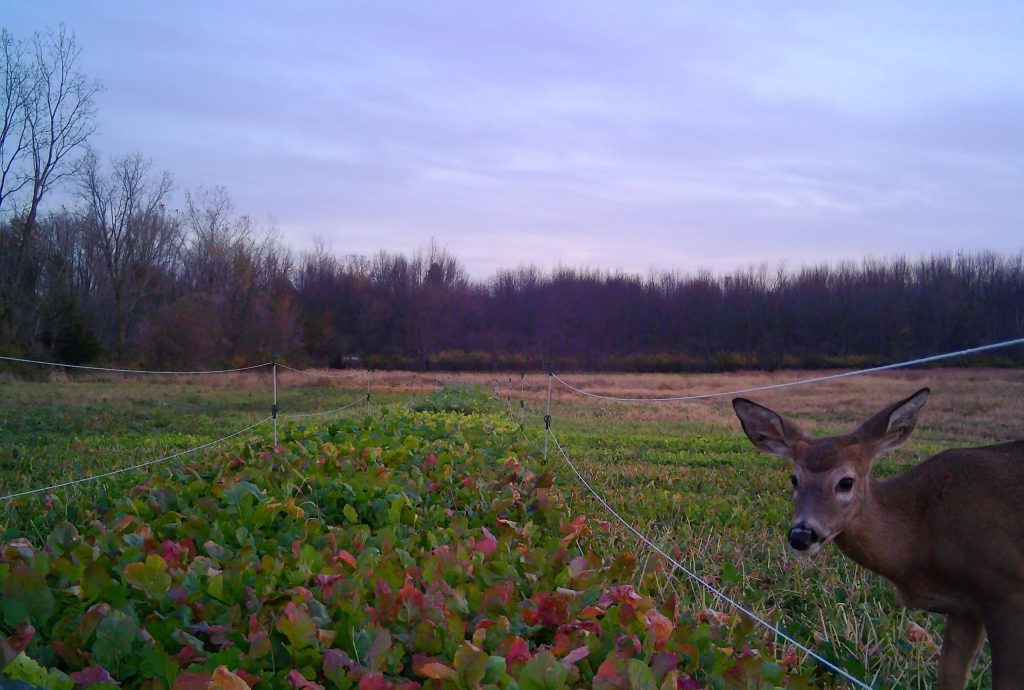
x,y
948,533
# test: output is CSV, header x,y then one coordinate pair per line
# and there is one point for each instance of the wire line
x,y
317,414
801,382
135,467
131,371
711,588
323,376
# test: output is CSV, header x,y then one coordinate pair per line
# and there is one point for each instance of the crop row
x,y
406,550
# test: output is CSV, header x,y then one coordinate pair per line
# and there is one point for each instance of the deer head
x,y
830,475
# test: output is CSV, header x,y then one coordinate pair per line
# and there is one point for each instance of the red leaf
x,y
92,674
300,682
345,557
488,544
609,672
574,528
519,650
618,595
375,681
409,593
327,582
660,626
12,646
223,679
497,598
552,609
192,681
436,670
576,654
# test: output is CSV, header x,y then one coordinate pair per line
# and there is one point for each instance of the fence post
x,y
369,373
273,406
522,401
547,419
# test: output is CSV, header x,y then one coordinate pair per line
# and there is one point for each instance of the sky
x,y
617,135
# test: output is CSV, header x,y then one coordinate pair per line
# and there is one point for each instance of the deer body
x,y
948,533
923,529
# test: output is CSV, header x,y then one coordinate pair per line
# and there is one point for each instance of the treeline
x,y
203,288
423,313
117,275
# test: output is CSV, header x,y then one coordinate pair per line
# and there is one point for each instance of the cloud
x,y
616,134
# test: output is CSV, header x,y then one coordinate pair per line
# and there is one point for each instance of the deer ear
x,y
888,429
769,431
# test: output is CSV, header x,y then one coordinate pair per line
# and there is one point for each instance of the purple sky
x,y
670,135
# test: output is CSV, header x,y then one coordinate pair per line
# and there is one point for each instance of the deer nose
x,y
801,537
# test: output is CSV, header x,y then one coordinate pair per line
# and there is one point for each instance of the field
x,y
681,472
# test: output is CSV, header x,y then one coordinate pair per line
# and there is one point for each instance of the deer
x,y
948,533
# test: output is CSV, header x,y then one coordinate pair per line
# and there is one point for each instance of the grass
x,y
691,482
681,472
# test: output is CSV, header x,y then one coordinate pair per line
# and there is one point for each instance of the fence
x,y
549,439
272,418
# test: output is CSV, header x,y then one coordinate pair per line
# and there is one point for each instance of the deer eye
x,y
845,484
792,480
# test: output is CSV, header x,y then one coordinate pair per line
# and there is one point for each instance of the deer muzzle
x,y
802,537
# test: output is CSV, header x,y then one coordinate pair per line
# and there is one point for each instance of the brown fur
x,y
948,533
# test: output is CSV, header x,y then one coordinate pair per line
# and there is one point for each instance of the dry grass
x,y
967,405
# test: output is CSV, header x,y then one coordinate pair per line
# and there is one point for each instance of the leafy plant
x,y
410,550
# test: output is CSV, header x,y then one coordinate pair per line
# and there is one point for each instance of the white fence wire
x,y
548,434
699,580
304,415
800,382
319,375
132,371
134,467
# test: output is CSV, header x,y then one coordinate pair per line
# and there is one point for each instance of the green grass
x,y
703,494
60,431
695,488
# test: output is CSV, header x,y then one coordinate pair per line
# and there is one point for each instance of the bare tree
x,y
48,114
131,236
60,113
14,139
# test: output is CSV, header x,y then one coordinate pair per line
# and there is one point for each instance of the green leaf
x,y
640,676
94,580
241,489
26,669
63,537
114,639
26,598
378,653
297,625
157,663
350,513
471,665
496,669
215,586
543,672
151,577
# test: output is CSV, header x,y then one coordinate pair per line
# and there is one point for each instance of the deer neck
x,y
880,537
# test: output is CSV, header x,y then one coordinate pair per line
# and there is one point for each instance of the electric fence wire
x,y
303,415
801,382
135,467
132,371
304,372
699,580
714,591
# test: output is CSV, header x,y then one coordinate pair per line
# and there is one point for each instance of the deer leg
x,y
963,638
1006,639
